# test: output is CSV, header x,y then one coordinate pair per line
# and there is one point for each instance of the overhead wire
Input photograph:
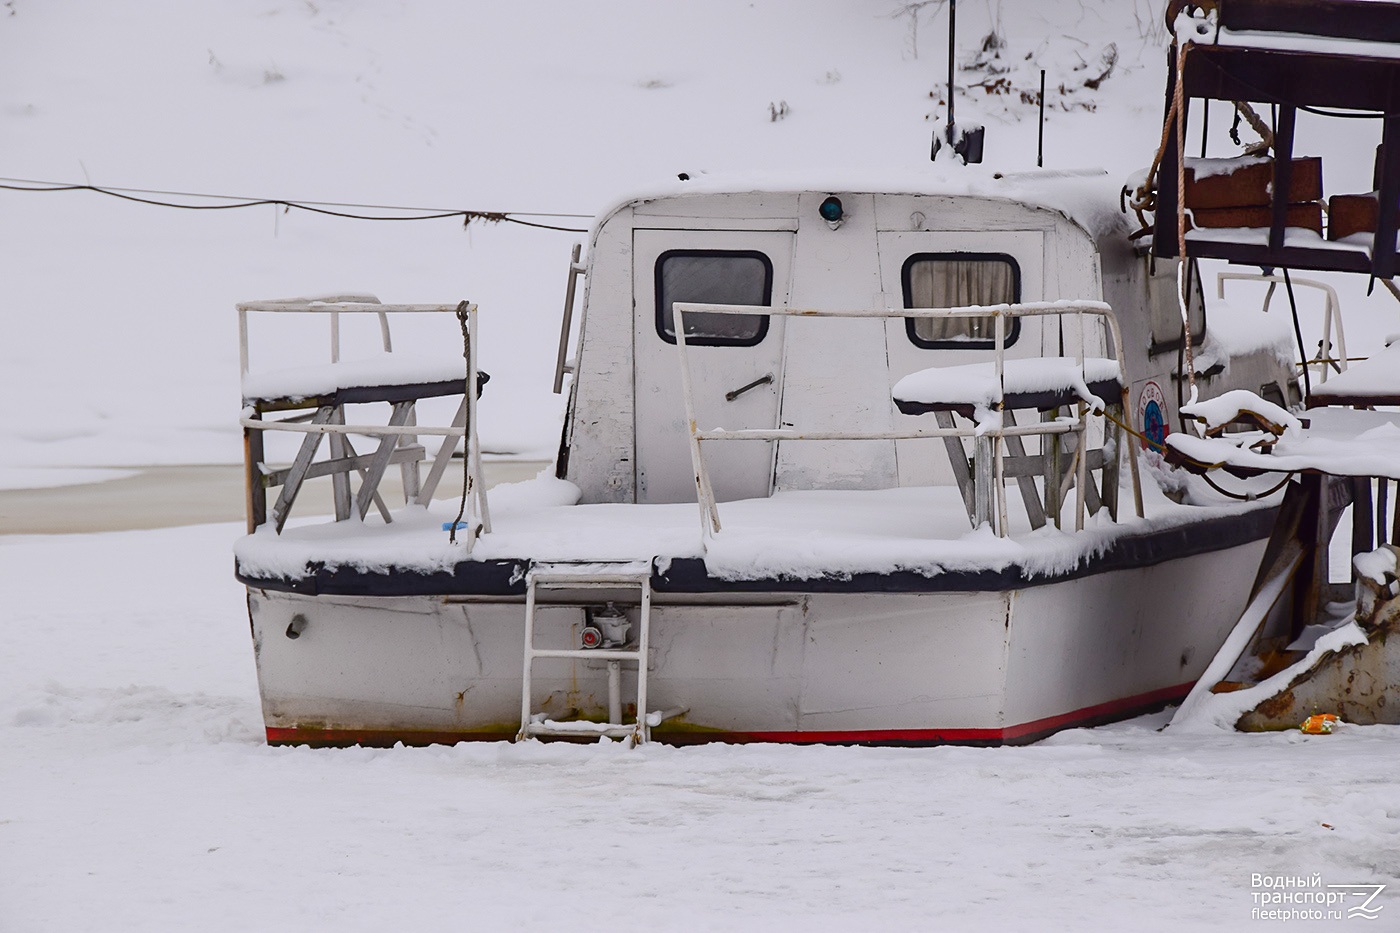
x,y
327,208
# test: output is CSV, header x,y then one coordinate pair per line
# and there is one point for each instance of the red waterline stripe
x,y
1089,715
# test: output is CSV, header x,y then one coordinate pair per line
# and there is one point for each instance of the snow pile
x,y
976,384
1375,378
1230,406
1215,711
384,369
1233,331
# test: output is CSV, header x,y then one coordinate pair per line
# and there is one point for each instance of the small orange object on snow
x,y
1321,724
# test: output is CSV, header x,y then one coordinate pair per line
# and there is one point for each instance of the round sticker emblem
x,y
1152,415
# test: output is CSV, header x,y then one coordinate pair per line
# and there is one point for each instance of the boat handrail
x,y
989,434
1331,313
335,306
397,438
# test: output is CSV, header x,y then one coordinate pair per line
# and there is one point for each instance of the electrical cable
x,y
327,208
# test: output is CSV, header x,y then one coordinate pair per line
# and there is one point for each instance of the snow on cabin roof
x,y
1086,197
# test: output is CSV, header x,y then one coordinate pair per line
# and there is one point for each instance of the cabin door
x,y
735,361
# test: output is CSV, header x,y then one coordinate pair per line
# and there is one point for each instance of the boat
x,y
844,460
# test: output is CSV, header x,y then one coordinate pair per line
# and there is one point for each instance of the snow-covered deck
x,y
1339,441
796,535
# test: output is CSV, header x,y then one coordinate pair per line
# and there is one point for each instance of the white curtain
x,y
952,283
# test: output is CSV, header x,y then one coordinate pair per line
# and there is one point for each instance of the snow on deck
x,y
792,535
1340,441
976,384
139,796
385,369
1375,378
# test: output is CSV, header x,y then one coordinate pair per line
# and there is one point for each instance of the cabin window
x,y
952,280
722,277
1166,306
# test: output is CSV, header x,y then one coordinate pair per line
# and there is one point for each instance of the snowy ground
x,y
138,795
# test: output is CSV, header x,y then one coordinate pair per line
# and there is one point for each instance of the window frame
x,y
910,323
659,317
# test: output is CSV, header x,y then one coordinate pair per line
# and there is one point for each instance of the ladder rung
x,y
602,654
598,576
579,579
580,727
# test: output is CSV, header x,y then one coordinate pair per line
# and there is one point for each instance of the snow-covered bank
x,y
122,340
138,796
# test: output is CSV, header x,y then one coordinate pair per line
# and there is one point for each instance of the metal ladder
x,y
583,577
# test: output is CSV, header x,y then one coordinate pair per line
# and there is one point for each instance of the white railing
x,y
1331,315
464,424
990,486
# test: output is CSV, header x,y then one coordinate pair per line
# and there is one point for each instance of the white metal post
x,y
703,491
643,659
529,655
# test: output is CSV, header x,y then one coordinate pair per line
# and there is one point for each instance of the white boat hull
x,y
981,667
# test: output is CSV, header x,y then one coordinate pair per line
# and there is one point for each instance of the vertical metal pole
x,y
384,332
529,654
703,495
472,456
242,342
952,46
1283,175
1040,139
1205,124
614,693
1081,478
335,336
643,643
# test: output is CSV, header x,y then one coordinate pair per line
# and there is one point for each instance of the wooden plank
x,y
1308,216
1035,509
1372,20
1251,185
408,467
380,461
320,468
957,458
340,481
254,492
300,465
444,456
1271,76
378,502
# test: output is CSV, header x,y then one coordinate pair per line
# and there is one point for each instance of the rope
x,y
1248,496
315,207
1179,105
1161,447
467,427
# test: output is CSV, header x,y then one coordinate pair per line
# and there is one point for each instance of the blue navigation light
x,y
831,210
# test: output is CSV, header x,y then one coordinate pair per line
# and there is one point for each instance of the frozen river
x,y
138,793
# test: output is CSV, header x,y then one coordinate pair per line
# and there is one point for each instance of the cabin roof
x,y
1086,197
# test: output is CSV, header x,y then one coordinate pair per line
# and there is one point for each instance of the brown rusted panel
x,y
1360,683
1344,19
1248,185
1299,215
1352,213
